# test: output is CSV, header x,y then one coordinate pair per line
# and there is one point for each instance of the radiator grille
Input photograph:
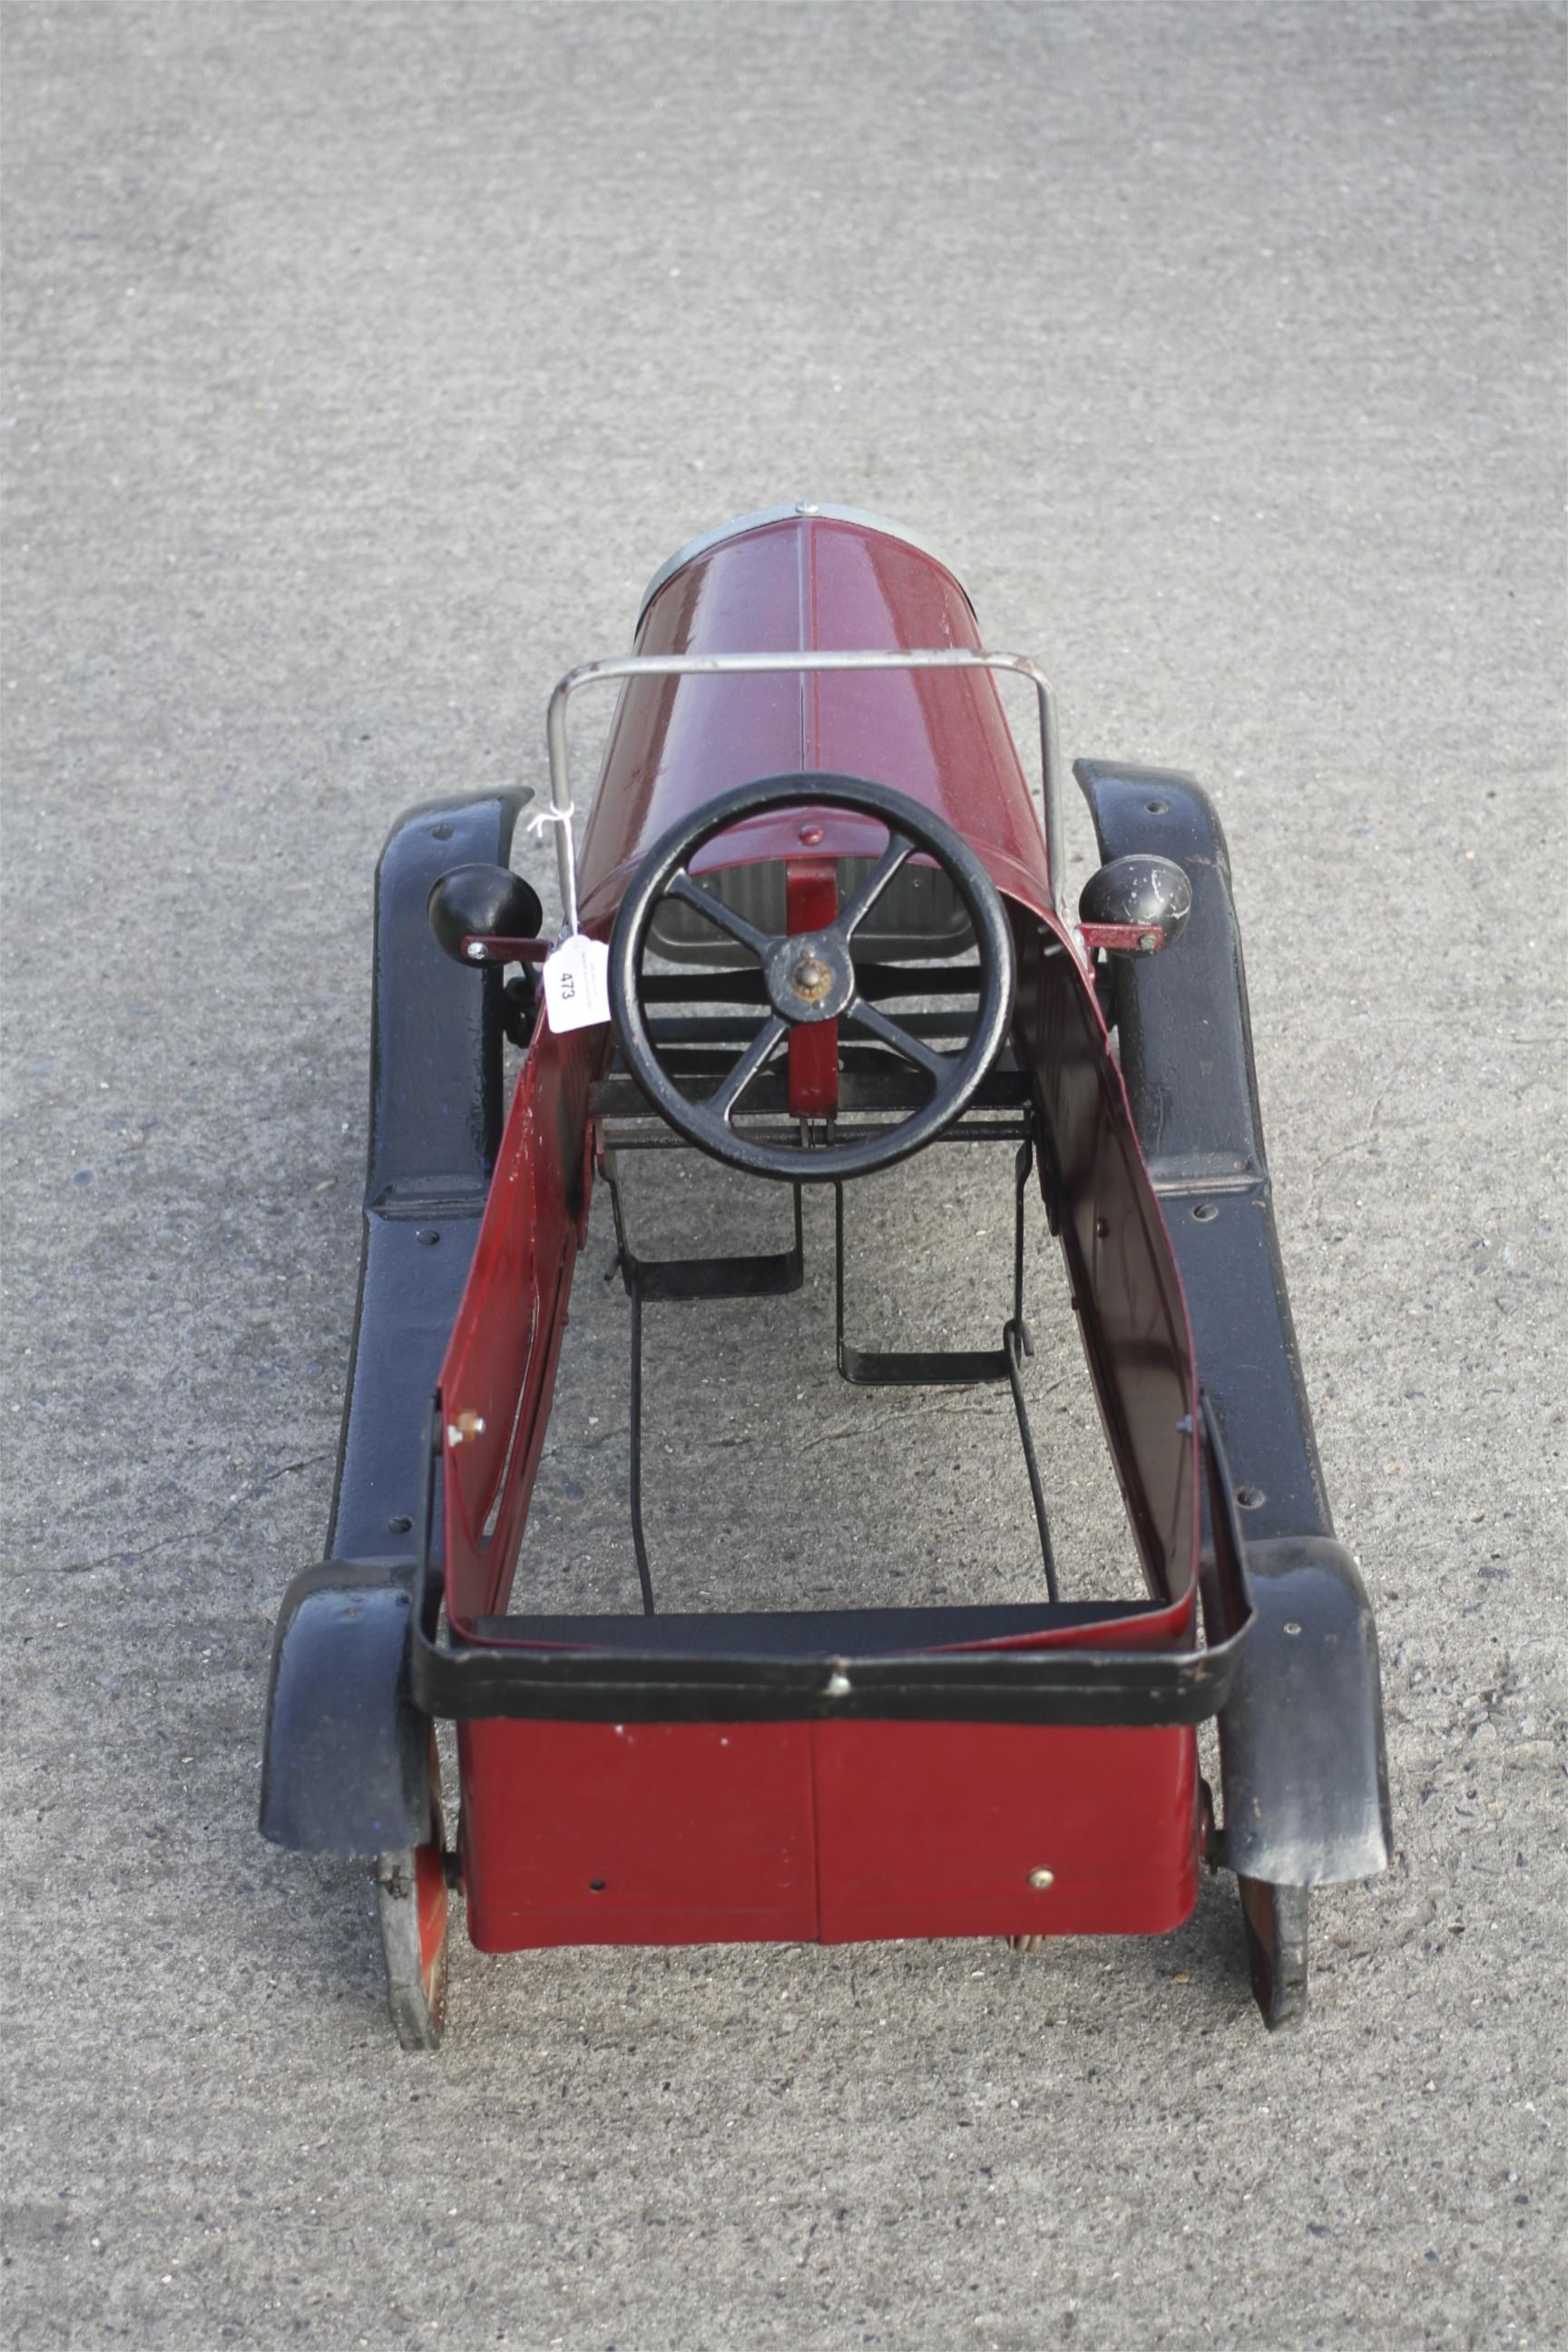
x,y
918,914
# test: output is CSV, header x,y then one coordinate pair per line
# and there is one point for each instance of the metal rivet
x,y
1041,1879
1249,1497
1292,1628
810,979
475,950
1156,808
1205,1213
440,833
810,834
398,1525
428,1234
595,1887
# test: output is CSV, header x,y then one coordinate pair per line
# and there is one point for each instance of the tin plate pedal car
x,y
826,904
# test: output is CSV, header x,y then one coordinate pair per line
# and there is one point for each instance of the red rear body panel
x,y
837,1833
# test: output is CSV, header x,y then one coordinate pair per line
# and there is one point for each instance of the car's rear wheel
x,y
1276,1922
412,1905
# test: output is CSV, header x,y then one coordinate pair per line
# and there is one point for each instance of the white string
x,y
536,825
566,858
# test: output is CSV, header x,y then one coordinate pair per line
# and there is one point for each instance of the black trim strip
x,y
1080,1688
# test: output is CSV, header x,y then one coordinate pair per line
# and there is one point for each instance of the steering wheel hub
x,y
810,977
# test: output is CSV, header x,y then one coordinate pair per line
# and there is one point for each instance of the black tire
x,y
412,1908
1276,1922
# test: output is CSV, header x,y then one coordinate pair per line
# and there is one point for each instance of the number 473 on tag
x,y
577,983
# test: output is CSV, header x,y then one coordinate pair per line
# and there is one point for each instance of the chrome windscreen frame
x,y
617,667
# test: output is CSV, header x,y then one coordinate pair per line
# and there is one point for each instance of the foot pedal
x,y
769,1275
870,1368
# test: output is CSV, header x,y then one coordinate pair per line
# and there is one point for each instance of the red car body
x,y
683,1832
1016,1772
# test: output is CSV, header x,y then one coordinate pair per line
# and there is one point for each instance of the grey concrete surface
x,y
360,363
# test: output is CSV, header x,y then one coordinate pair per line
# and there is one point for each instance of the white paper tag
x,y
577,983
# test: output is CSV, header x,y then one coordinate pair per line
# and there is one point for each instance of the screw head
x,y
1041,1879
810,979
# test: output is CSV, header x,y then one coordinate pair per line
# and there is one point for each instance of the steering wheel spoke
x,y
810,981
683,887
721,1102
897,853
913,1048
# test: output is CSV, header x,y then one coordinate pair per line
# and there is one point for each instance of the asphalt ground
x,y
361,365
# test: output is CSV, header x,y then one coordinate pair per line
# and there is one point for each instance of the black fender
x,y
1301,1755
1304,1771
341,1736
346,1764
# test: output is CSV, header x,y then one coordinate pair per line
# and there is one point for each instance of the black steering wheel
x,y
810,977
